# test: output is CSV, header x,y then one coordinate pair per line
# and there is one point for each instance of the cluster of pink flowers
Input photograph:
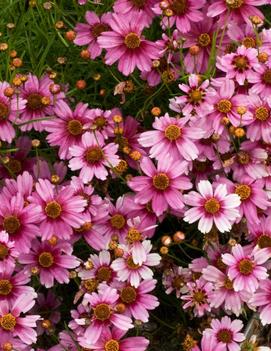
x,y
205,162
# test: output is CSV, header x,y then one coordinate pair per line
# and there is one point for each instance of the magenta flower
x,y
262,81
245,268
126,44
172,136
227,333
68,127
212,206
103,306
112,340
102,122
240,65
12,323
135,7
161,186
20,221
10,109
262,299
93,157
88,33
8,253
50,261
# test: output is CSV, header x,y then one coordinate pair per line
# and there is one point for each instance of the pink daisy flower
x,y
8,253
262,81
239,10
39,101
198,297
78,314
20,221
23,185
44,170
245,268
112,340
172,136
175,279
227,333
12,323
10,109
93,157
50,261
240,65
212,206
161,186
102,122
88,33
128,271
260,234
126,44
135,7
103,305
60,209
67,128
262,299
184,12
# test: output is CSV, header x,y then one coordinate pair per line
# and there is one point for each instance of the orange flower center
x,y
225,336
131,264
262,113
5,287
241,63
46,259
173,132
195,95
112,345
245,266
249,42
243,190
34,101
224,106
3,252
90,284
104,274
234,4
102,312
199,296
100,122
8,322
178,282
3,110
94,154
243,158
264,241
53,209
267,77
11,224
128,294
98,28
132,41
118,221
228,284
75,127
179,7
212,205
160,181
204,39
133,235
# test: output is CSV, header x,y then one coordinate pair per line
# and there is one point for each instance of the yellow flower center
x,y
11,224
212,205
178,282
131,264
46,259
262,113
100,122
98,28
8,322
249,42
160,181
243,158
179,7
5,287
112,345
3,252
53,209
199,296
104,274
173,132
195,96
3,110
128,294
224,106
245,266
264,241
132,41
133,235
234,4
75,127
90,284
225,336
228,284
34,101
267,77
94,154
118,221
204,39
243,190
241,63
102,312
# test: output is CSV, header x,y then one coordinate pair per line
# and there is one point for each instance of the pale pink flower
x,y
262,81
262,299
175,279
102,122
8,253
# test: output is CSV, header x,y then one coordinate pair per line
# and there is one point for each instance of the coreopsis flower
x,y
102,122
175,279
13,323
134,7
235,10
81,311
240,65
40,101
93,157
132,273
198,297
245,269
227,333
61,209
68,127
125,43
161,186
212,206
55,172
8,253
10,109
112,339
52,262
104,314
88,33
23,184
262,81
20,221
262,299
260,234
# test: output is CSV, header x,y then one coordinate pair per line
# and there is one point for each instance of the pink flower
x,y
227,333
212,206
175,279
40,101
88,33
128,271
68,127
161,186
262,81
8,253
240,65
245,268
10,109
126,44
60,209
112,340
102,122
50,261
262,299
103,306
93,157
135,7
12,323
20,221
